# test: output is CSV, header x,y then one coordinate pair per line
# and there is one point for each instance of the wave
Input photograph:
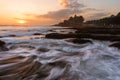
x,y
48,59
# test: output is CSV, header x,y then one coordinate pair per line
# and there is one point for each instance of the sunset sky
x,y
46,12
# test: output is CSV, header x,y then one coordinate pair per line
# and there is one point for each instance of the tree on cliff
x,y
72,21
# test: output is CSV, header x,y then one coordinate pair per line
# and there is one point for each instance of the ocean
x,y
31,56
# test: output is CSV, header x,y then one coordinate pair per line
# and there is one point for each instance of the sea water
x,y
34,57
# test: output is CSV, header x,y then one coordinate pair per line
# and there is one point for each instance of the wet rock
x,y
20,71
42,75
11,60
79,41
63,36
61,64
56,36
37,34
3,46
117,44
12,35
105,37
2,43
84,35
43,50
0,36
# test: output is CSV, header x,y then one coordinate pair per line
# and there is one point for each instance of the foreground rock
x,y
79,41
43,50
105,37
37,34
2,46
117,44
84,35
2,43
12,35
64,36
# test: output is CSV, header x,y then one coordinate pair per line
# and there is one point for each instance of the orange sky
x,y
46,12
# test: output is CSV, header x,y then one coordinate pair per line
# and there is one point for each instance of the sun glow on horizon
x,y
41,12
21,21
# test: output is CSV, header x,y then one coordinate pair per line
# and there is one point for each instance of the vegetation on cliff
x,y
72,21
112,20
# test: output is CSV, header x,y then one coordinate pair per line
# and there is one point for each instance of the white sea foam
x,y
48,59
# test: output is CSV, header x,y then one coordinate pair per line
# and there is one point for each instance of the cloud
x,y
70,7
64,3
60,14
74,4
53,17
91,9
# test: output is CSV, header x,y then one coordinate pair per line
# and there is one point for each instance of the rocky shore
x,y
59,54
81,34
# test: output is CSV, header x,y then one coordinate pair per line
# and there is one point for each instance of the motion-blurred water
x,y
33,57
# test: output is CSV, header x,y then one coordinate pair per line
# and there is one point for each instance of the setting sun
x,y
22,21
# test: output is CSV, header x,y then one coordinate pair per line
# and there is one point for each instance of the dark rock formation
x,y
12,35
64,36
2,46
37,34
105,37
117,44
84,35
61,64
2,43
112,20
57,36
79,41
43,50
